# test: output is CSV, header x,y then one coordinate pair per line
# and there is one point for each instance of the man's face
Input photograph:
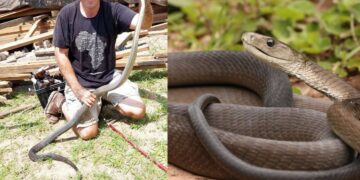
x,y
90,3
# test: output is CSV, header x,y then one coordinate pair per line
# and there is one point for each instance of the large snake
x,y
344,115
229,140
117,81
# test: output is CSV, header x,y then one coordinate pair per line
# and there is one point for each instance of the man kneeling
x,y
84,40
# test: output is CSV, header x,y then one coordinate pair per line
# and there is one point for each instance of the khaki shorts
x,y
91,116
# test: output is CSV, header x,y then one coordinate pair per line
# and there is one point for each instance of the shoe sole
x,y
51,97
52,122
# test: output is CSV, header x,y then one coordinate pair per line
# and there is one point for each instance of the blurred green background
x,y
328,31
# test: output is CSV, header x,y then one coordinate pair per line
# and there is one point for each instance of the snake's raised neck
x,y
282,56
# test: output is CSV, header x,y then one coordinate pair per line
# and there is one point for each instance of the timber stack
x,y
5,90
26,31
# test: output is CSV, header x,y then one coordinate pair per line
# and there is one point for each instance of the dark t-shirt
x,y
91,41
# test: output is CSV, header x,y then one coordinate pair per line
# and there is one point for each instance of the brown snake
x,y
271,142
344,115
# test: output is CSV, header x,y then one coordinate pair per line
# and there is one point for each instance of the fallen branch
x,y
22,108
136,147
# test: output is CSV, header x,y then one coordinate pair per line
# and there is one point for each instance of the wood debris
x,y
26,41
5,90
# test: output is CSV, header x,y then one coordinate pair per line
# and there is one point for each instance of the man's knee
x,y
88,132
133,112
138,113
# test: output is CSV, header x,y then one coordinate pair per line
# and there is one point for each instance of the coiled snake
x,y
229,140
117,81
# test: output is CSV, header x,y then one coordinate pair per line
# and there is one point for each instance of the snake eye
x,y
270,42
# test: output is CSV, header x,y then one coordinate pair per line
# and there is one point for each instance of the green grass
x,y
107,156
328,33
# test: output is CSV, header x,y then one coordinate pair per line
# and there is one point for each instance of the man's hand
x,y
85,96
148,17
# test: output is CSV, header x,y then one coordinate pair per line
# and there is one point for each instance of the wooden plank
x,y
2,99
21,71
5,84
159,27
10,59
15,22
160,17
120,54
21,68
10,14
18,109
27,13
146,32
13,77
42,58
161,55
35,25
27,41
32,29
45,52
35,64
160,32
4,56
122,39
139,63
5,90
25,27
147,67
54,72
15,37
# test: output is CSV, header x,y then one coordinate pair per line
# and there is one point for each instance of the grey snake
x,y
117,81
289,138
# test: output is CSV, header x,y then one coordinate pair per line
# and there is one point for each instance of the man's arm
x,y
148,17
61,57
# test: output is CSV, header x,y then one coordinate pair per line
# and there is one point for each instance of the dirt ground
x,y
176,173
108,156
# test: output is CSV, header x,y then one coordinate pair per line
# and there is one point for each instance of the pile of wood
x,y
26,34
5,90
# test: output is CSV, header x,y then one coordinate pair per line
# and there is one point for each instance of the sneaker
x,y
53,107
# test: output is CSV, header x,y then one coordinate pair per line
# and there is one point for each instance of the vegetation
x,y
327,31
107,156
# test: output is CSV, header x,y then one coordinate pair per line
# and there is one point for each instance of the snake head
x,y
271,51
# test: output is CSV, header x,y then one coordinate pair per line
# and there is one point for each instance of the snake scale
x,y
117,81
290,137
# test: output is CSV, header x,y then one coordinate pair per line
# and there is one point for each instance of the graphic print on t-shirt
x,y
93,44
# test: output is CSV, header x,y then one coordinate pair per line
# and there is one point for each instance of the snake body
x,y
117,81
244,141
344,115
